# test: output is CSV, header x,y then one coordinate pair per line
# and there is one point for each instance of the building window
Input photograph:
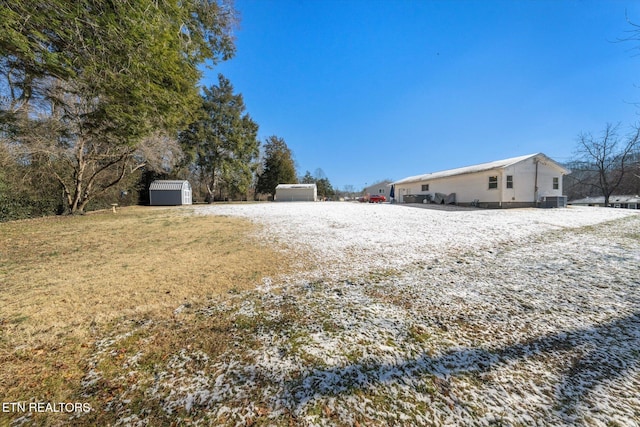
x,y
381,191
425,187
493,182
509,181
556,183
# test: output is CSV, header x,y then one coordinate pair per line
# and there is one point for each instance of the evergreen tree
x,y
308,179
325,189
222,144
278,166
84,84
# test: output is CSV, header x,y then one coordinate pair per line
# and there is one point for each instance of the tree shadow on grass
x,y
601,353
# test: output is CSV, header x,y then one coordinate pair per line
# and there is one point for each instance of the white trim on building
x,y
170,193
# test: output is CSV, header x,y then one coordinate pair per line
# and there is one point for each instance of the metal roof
x,y
169,185
600,200
498,164
295,186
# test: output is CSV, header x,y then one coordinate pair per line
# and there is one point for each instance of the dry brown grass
x,y
66,280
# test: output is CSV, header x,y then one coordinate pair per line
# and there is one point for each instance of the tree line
x,y
98,98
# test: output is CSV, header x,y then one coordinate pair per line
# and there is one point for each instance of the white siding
x,y
380,188
467,187
296,193
472,186
523,190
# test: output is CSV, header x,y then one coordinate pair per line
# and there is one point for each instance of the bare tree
x,y
609,157
158,152
85,162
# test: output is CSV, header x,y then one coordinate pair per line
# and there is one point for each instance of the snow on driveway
x,y
429,317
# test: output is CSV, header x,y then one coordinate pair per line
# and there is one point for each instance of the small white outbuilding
x,y
169,193
296,193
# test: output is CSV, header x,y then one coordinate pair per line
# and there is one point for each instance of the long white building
x,y
525,181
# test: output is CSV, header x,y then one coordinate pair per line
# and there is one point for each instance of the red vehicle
x,y
377,198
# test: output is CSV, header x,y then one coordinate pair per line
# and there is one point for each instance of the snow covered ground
x,y
408,316
361,237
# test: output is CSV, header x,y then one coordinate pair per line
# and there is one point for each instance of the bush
x,y
22,206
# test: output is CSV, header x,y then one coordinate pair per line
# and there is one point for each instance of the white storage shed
x,y
296,193
169,193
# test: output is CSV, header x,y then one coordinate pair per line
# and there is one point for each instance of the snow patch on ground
x,y
359,237
428,317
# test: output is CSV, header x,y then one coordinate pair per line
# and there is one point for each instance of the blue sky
x,y
372,89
